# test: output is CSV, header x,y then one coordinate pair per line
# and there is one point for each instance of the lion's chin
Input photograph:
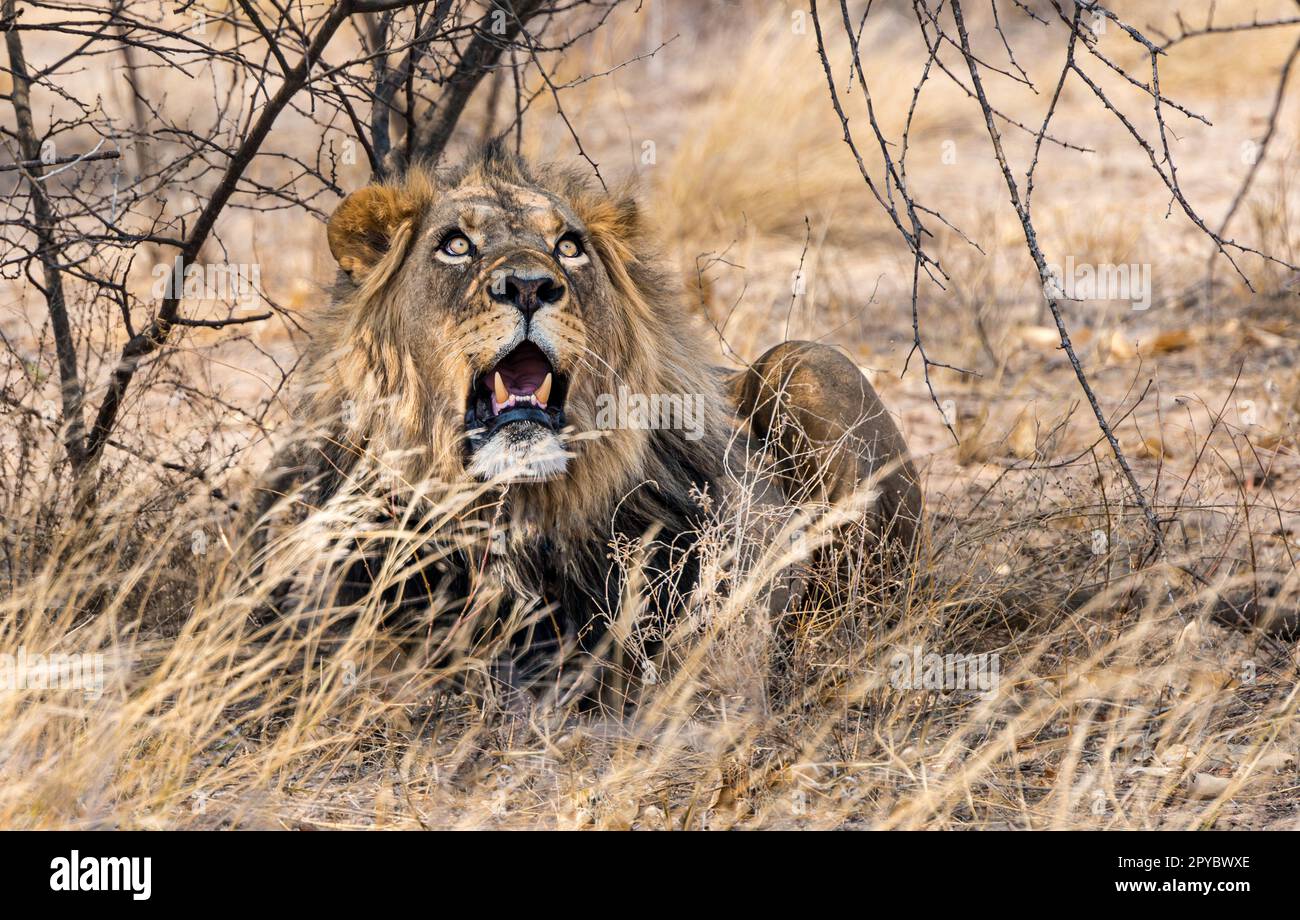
x,y
520,452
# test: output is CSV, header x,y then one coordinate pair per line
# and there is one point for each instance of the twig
x,y
58,161
1053,303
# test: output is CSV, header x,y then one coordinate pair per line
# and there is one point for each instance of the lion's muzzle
x,y
514,416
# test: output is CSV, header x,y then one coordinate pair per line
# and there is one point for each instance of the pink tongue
x,y
524,369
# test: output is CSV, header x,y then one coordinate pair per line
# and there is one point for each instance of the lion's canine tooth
x,y
502,394
543,392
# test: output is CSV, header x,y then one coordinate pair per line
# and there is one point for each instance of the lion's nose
x,y
527,294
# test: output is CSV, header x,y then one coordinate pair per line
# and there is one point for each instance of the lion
x,y
482,321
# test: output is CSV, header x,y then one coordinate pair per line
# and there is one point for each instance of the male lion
x,y
481,321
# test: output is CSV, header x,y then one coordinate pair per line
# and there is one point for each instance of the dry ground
x,y
1130,705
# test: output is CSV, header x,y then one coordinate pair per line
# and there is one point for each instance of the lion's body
x,y
428,332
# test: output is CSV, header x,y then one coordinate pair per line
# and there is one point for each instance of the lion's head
x,y
481,316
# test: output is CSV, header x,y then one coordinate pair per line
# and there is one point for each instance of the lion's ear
x,y
362,227
615,225
614,219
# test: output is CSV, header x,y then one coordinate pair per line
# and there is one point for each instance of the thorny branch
x,y
98,196
896,197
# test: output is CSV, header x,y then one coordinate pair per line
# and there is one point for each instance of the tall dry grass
x,y
1119,701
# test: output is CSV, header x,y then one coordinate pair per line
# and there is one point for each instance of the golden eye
x,y
568,248
457,244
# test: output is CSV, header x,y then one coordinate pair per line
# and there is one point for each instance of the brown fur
x,y
410,405
830,433
407,332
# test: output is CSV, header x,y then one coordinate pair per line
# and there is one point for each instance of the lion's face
x,y
506,290
500,308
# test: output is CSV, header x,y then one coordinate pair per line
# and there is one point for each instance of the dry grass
x,y
1124,700
1134,710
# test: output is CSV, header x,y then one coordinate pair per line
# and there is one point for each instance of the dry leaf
x,y
972,444
1274,760
1039,336
728,803
1119,348
1023,440
1132,741
1244,755
384,801
1271,440
1172,340
1209,682
1265,339
1154,448
1207,786
1189,637
653,818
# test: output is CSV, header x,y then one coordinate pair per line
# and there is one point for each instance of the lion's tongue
x,y
524,369
521,372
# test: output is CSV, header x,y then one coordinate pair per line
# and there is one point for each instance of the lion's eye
x,y
568,248
457,245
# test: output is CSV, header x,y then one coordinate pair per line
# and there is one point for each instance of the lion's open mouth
x,y
523,386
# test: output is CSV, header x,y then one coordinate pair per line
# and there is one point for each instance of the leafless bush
x,y
1075,27
120,226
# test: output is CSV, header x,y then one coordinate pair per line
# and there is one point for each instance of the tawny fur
x,y
404,335
411,414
